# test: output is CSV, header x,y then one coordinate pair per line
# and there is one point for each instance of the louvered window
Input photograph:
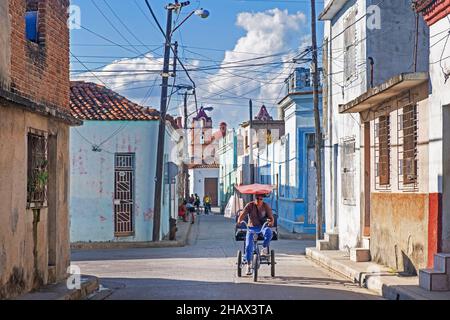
x,y
348,171
350,45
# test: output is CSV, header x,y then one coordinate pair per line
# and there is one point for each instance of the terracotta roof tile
x,y
90,101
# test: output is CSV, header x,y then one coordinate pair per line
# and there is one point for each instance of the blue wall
x,y
292,204
92,179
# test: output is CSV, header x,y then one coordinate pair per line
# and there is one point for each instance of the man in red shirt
x,y
258,212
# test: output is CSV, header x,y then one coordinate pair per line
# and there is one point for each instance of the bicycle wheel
x,y
255,264
272,263
239,263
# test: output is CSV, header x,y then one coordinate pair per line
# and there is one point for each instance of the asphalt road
x,y
206,269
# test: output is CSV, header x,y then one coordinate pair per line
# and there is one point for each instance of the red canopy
x,y
255,189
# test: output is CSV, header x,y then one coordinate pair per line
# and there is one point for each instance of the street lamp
x,y
176,6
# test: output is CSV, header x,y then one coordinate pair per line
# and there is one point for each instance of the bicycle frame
x,y
256,243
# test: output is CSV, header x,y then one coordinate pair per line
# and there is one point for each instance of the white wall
x,y
197,180
347,217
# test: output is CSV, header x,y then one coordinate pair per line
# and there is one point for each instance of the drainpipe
x,y
371,61
38,281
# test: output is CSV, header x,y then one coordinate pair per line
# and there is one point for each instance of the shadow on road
x,y
169,289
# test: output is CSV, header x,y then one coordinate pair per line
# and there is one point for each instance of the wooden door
x,y
211,188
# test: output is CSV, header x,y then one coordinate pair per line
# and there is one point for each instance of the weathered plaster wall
x,y
399,224
392,44
399,230
5,47
92,179
17,269
391,47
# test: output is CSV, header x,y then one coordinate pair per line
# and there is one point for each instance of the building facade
x,y
436,14
228,156
34,131
288,161
203,163
366,43
113,167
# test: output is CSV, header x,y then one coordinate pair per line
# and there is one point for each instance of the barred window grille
x,y
348,171
382,150
37,169
408,133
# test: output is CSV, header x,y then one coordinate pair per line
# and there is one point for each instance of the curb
x,y
59,291
286,235
184,242
374,284
132,245
89,284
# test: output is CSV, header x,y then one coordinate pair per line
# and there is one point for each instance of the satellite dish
x,y
202,13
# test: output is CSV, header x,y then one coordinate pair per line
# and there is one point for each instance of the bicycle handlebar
x,y
248,228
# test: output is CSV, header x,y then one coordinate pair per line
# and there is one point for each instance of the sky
x,y
242,51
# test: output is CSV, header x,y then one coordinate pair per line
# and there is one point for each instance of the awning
x,y
385,91
330,11
259,189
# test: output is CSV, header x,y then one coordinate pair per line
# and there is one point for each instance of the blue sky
x,y
236,30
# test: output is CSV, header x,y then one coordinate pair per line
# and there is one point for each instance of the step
x,y
432,280
359,254
442,262
333,241
366,242
322,245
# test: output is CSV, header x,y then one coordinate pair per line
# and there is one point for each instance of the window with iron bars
x,y
382,150
37,169
348,171
407,135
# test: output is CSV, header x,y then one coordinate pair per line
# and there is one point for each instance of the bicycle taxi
x,y
242,229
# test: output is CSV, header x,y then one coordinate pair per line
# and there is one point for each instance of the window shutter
x,y
384,149
409,120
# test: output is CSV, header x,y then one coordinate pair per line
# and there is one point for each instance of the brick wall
x,y
40,71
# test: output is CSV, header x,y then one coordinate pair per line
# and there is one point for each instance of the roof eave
x,y
387,90
330,11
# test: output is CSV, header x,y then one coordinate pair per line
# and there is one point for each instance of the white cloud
x,y
267,33
272,32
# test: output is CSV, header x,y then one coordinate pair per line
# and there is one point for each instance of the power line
x,y
113,26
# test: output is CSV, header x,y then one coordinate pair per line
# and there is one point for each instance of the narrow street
x,y
205,269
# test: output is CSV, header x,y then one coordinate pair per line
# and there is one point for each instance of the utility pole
x,y
186,146
162,130
318,138
250,142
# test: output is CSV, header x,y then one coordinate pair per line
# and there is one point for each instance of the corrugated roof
x,y
91,101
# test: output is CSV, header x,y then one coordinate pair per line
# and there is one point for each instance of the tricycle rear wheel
x,y
255,267
239,263
272,263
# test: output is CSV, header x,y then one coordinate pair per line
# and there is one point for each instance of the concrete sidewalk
x,y
288,235
59,291
184,228
380,279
